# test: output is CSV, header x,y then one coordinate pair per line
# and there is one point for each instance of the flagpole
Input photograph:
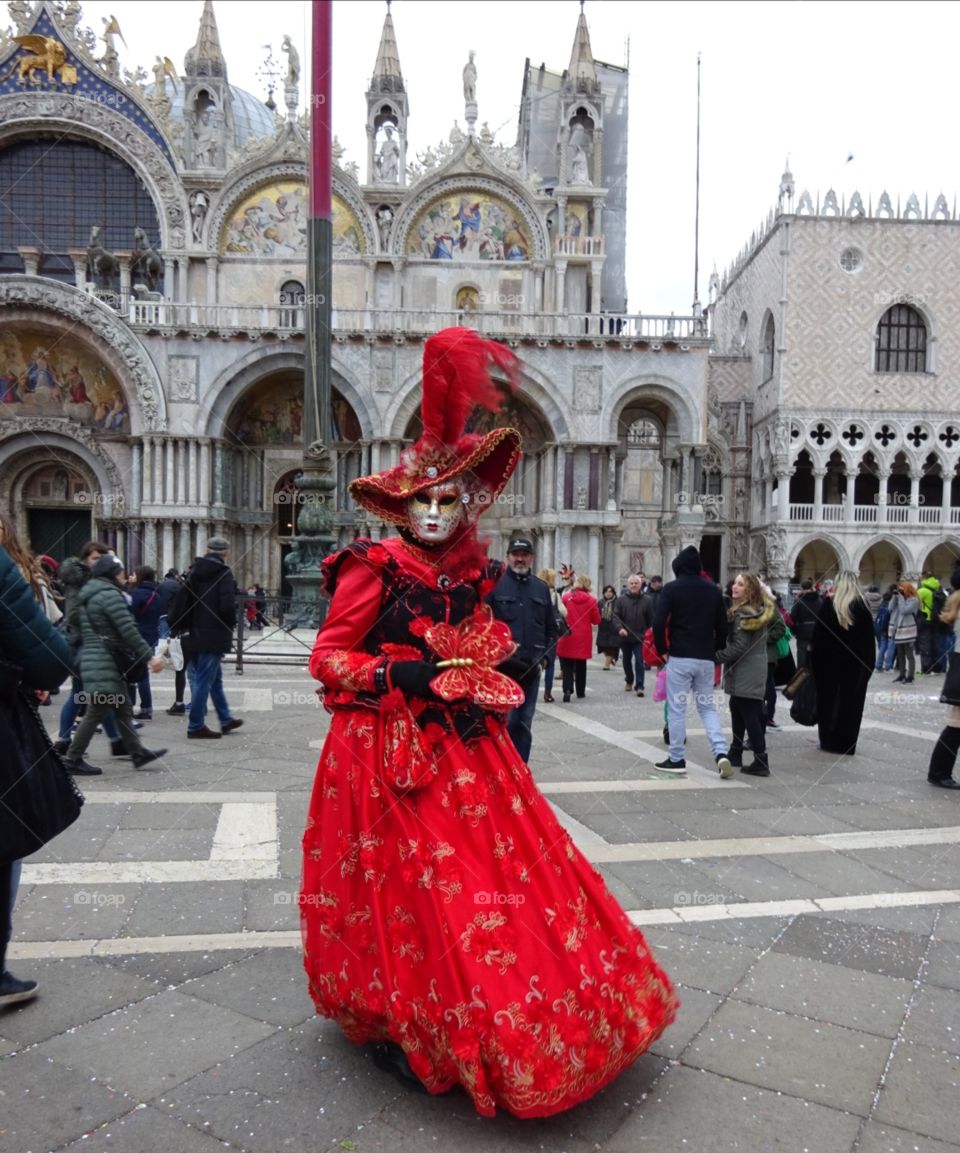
x,y
696,226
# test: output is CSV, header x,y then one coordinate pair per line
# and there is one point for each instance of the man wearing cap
x,y
213,617
522,601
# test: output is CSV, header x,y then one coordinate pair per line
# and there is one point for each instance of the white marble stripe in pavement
x,y
880,726
648,755
770,846
245,847
282,939
179,797
653,785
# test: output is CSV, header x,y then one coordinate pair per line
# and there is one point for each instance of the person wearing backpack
x,y
928,621
881,631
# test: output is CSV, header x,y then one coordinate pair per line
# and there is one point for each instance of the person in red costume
x,y
448,920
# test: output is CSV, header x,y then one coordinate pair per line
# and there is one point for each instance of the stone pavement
x,y
811,921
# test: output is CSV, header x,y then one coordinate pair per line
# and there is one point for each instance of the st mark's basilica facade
x,y
152,295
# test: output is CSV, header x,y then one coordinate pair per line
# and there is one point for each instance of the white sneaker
x,y
724,767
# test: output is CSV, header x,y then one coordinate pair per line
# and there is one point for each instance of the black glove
x,y
413,677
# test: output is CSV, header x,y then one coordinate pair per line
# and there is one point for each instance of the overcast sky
x,y
817,81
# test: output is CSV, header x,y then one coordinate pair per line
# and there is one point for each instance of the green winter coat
x,y
102,614
745,655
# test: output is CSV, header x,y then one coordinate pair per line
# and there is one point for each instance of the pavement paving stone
x,y
271,905
691,1111
921,1085
306,1088
934,1020
831,993
758,933
150,1046
943,964
918,866
713,966
186,907
619,828
83,841
269,986
162,844
877,1138
166,816
73,912
171,970
840,873
656,884
909,919
883,951
47,1104
948,924
696,1008
756,878
797,1056
145,1128
72,991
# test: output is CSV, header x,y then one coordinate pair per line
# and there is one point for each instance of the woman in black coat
x,y
842,661
33,653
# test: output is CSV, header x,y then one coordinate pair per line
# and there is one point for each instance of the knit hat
x,y
456,379
218,544
107,566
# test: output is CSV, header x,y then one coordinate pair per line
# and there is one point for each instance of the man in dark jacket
x,y
805,612
522,601
213,617
692,609
632,616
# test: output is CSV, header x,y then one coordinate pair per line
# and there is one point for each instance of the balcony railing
x,y
870,514
417,322
578,246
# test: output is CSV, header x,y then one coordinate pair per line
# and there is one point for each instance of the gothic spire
x,y
387,76
582,72
205,58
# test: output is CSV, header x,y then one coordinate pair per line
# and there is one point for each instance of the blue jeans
x,y
885,651
206,680
520,719
632,663
689,679
71,707
549,671
146,694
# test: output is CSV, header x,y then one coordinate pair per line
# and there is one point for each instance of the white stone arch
x,y
223,392
655,387
843,557
50,303
451,185
97,123
37,442
894,539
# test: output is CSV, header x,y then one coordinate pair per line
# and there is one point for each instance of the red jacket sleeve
x,y
338,660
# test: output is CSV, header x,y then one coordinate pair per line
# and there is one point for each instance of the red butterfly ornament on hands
x,y
469,653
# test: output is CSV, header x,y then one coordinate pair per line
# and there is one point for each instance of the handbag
x,y
132,668
784,670
792,687
38,797
803,710
559,616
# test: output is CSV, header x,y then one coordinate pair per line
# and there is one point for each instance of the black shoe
x,y
143,716
80,767
669,766
773,725
641,693
737,762
392,1059
566,698
12,990
909,680
60,746
233,723
944,782
756,770
203,734
724,767
177,709
148,755
898,680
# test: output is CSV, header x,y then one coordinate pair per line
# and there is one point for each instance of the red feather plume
x,y
456,378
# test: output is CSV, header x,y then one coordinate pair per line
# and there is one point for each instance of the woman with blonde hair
x,y
904,620
744,658
843,656
576,648
549,578
944,755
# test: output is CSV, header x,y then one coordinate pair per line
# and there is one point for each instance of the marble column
x,y
212,263
183,545
819,475
147,478
136,478
150,547
204,494
170,489
593,558
169,557
913,515
883,477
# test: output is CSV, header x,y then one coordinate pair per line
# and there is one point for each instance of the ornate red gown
x,y
444,908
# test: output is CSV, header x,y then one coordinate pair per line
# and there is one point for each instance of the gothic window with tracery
x,y
768,346
901,341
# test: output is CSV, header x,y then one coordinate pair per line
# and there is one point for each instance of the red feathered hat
x,y
456,378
